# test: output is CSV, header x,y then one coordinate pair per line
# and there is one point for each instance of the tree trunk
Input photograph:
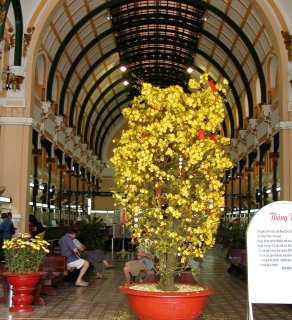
x,y
168,265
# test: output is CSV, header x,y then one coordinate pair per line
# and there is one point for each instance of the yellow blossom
x,y
170,174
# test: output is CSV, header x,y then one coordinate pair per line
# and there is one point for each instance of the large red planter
x,y
22,287
148,305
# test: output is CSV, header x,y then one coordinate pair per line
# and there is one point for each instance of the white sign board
x,y
269,255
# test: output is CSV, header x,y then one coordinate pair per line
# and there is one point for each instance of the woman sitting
x,y
95,257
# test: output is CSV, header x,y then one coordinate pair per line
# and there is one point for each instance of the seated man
x,y
69,250
96,257
144,263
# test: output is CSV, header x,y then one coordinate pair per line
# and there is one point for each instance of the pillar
x,y
284,161
15,167
275,157
261,165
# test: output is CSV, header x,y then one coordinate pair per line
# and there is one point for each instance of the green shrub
x,y
93,233
235,238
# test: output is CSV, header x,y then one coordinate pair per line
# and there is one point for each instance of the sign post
x,y
269,255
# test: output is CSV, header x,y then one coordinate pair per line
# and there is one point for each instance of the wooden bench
x,y
4,284
184,276
54,271
238,261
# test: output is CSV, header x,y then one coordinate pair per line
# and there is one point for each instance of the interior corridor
x,y
102,299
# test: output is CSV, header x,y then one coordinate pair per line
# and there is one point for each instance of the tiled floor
x,y
102,299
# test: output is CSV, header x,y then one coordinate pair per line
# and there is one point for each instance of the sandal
x,y
127,284
81,284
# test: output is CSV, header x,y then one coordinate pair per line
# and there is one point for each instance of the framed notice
x,y
269,255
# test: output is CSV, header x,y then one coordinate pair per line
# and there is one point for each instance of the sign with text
x,y
269,254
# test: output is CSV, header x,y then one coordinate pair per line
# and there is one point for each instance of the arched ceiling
x,y
87,42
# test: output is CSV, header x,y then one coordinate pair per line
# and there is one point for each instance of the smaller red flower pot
x,y
22,287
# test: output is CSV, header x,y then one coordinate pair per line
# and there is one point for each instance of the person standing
x,y
69,250
6,230
35,226
7,226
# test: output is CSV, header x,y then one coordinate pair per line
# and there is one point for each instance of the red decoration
x,y
201,134
123,217
143,135
212,137
154,107
212,85
158,192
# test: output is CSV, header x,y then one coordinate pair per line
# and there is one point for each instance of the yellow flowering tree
x,y
168,165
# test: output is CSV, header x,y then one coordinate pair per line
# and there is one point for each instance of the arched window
x,y
56,93
40,76
257,96
245,109
67,103
272,78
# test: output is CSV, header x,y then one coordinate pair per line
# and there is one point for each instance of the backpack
x,y
12,229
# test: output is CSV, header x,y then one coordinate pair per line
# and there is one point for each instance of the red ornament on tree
x,y
212,137
123,219
201,134
158,192
212,85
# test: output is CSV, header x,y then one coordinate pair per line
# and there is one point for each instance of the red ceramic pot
x,y
22,287
148,305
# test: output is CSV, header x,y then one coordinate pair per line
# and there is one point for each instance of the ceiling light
x,y
269,190
109,16
190,70
126,82
123,68
6,199
205,17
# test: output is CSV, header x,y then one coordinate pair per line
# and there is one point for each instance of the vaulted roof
x,y
88,41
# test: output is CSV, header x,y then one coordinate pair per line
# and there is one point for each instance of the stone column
x,y
275,156
248,171
76,167
36,153
69,174
261,165
50,164
240,175
284,161
15,165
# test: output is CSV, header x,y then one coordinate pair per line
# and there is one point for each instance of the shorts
x,y
135,267
76,264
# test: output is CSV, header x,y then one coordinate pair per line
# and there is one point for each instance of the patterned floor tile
x,y
103,301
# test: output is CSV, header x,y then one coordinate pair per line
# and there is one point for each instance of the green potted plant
x,y
235,245
168,167
93,232
23,257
